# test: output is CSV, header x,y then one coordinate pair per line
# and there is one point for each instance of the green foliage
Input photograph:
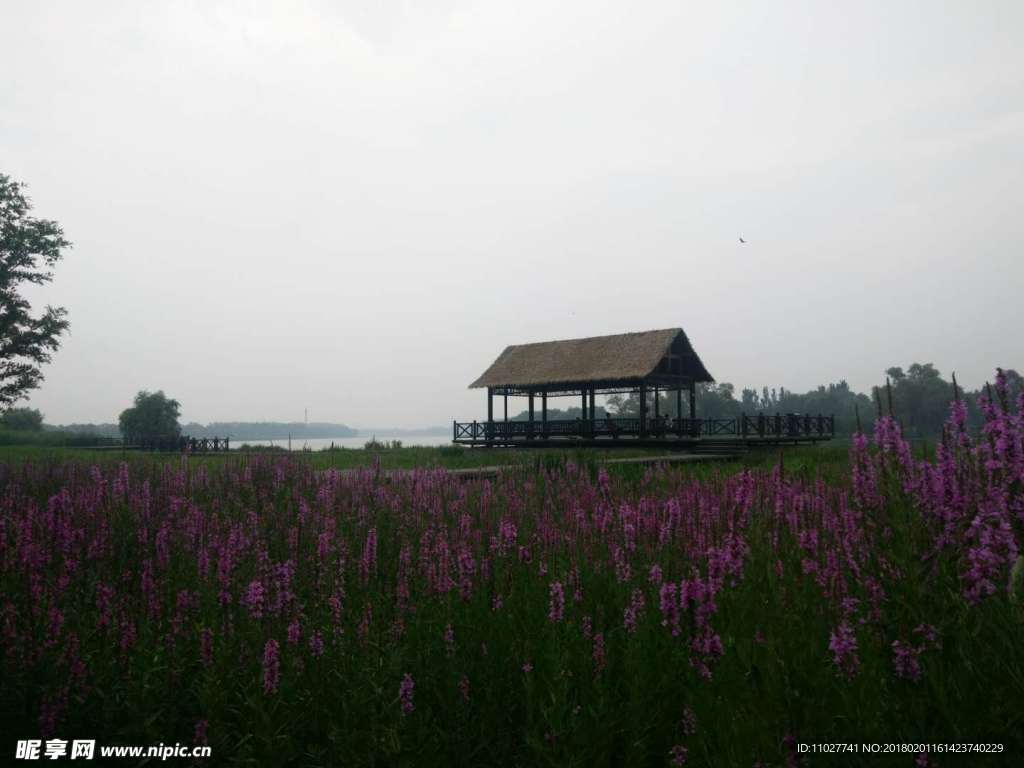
x,y
29,248
247,448
920,401
23,419
153,417
558,414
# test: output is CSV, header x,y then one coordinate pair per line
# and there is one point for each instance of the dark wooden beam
x,y
544,414
529,429
643,410
693,400
679,409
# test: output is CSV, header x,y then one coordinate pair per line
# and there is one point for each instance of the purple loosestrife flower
x,y
623,570
600,660
271,667
633,611
128,634
206,646
363,628
55,626
556,607
316,644
200,736
904,660
104,604
654,575
464,688
669,605
253,599
294,632
678,754
929,636
689,721
449,641
789,746
369,562
843,644
405,694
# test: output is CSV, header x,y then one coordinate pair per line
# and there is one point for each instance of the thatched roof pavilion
x,y
642,362
605,363
645,364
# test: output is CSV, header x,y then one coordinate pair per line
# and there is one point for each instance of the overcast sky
x,y
355,206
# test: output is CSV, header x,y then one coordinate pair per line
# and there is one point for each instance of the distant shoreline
x,y
241,431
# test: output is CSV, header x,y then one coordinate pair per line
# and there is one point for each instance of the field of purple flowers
x,y
564,616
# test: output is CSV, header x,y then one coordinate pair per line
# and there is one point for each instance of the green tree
x,y
29,248
23,419
153,417
920,397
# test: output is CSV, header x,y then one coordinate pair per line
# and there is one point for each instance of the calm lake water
x,y
317,443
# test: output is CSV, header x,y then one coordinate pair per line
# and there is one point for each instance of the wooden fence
x,y
777,426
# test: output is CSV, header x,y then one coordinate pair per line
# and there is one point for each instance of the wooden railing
x,y
178,445
777,426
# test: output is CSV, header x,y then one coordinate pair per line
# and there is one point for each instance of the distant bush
x,y
23,419
373,444
453,451
262,448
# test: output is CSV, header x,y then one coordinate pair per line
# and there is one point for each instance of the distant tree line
x,y
557,414
920,400
236,430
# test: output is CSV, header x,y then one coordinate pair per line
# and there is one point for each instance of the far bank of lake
x,y
319,443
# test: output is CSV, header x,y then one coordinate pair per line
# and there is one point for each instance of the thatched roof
x,y
623,357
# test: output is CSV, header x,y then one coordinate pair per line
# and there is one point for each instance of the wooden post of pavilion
x,y
679,411
657,411
593,412
490,413
693,400
529,427
544,414
643,410
583,411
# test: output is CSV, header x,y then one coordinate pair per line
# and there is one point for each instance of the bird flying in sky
x,y
742,240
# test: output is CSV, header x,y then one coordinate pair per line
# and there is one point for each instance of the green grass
x,y
805,459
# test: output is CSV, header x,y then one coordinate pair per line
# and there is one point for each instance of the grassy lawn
x,y
805,460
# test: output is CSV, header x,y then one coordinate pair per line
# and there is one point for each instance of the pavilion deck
x,y
681,433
